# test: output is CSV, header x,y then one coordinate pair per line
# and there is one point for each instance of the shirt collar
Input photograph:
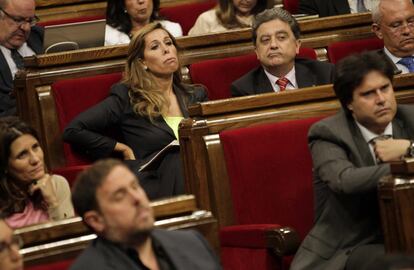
x,y
368,135
291,76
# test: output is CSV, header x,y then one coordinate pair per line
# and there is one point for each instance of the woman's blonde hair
x,y
226,12
146,97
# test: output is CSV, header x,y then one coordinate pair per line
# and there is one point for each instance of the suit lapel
x,y
178,259
263,84
5,72
361,144
398,130
304,76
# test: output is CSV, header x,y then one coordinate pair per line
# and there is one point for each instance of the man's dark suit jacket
x,y
187,250
87,132
324,8
386,58
345,187
7,101
308,73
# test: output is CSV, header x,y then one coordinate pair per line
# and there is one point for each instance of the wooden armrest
x,y
283,241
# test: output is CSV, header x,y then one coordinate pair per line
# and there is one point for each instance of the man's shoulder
x,y
92,257
249,76
314,64
328,126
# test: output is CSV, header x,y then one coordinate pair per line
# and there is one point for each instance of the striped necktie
x,y
17,58
282,83
407,62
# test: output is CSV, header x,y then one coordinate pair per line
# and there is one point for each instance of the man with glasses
x,y
20,38
10,258
393,22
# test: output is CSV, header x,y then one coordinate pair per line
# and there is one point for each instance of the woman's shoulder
x,y
172,27
119,90
207,22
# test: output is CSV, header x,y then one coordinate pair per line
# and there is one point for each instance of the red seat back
x,y
186,14
291,5
341,49
59,265
270,171
74,96
218,74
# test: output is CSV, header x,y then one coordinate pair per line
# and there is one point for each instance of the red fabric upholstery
x,y
71,20
341,49
218,74
70,173
74,96
270,171
291,5
186,14
60,265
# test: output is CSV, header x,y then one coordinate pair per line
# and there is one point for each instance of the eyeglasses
x,y
20,20
15,241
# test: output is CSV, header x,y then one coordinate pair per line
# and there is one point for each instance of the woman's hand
x,y
46,188
126,151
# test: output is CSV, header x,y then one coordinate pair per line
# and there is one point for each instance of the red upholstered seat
x,y
270,171
186,14
59,265
341,49
218,74
72,97
291,5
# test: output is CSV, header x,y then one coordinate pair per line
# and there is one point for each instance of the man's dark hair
x,y
275,14
88,181
351,71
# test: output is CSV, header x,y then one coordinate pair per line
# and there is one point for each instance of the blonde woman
x,y
146,108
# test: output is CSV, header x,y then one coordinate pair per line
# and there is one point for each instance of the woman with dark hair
x,y
229,14
125,17
28,194
146,108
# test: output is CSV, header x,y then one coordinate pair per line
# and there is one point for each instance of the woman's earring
x,y
145,67
125,11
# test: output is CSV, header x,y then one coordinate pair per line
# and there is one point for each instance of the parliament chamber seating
x,y
186,14
218,74
71,20
342,49
270,171
66,94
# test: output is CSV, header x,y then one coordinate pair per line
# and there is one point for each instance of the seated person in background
x,y
350,151
126,17
20,37
325,8
276,39
28,195
145,108
393,22
229,14
113,204
10,258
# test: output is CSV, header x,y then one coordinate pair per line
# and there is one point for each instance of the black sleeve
x,y
86,131
308,7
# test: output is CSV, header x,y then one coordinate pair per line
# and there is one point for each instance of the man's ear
x,y
350,107
94,220
376,28
298,44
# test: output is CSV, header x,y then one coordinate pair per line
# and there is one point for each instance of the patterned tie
x,y
17,58
407,62
282,82
361,6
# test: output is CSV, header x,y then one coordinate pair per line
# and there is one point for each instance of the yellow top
x,y
172,122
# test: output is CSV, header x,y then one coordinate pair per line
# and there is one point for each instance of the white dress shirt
x,y
24,51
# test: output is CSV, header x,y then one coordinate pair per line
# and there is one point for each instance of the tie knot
x,y
282,83
408,62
